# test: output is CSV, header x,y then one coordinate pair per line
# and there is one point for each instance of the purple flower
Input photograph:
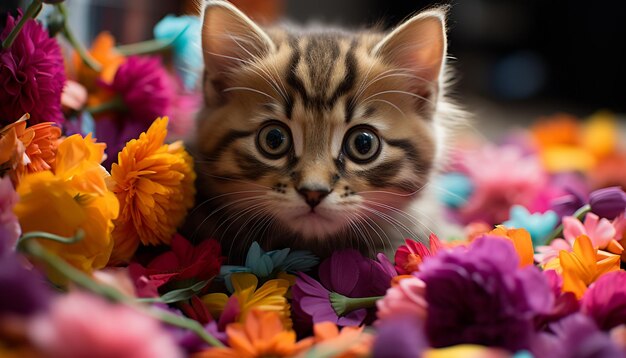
x,y
608,202
575,336
565,303
346,273
605,300
24,292
400,337
479,296
32,75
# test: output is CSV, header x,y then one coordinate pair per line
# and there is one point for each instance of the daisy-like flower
x,y
261,335
154,184
32,75
74,197
409,256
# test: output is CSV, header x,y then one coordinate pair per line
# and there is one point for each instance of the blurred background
x,y
515,60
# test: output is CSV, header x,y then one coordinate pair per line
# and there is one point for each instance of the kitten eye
x,y
362,144
274,140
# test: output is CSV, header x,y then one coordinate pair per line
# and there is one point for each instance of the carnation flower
x,y
74,197
32,73
154,184
79,325
479,295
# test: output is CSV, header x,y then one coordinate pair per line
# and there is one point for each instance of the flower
x,y
521,241
184,264
103,51
185,32
268,297
74,197
32,74
406,299
350,342
479,295
261,335
269,264
608,202
401,337
74,96
346,275
109,330
408,257
24,292
584,265
538,225
455,189
573,197
9,226
154,184
601,232
605,300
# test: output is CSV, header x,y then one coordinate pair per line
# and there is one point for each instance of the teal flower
x,y
266,265
454,189
184,32
538,225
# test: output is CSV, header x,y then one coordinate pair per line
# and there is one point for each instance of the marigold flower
x,y
154,184
74,197
261,335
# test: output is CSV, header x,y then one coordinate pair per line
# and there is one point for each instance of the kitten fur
x,y
320,88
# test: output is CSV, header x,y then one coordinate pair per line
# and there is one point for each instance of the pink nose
x,y
313,197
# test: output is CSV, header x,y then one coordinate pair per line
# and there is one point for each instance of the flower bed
x,y
536,272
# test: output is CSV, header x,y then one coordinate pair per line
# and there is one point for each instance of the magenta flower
x,y
608,202
479,295
400,338
32,75
348,274
605,301
565,303
79,325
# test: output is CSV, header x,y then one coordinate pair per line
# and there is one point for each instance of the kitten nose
x,y
313,196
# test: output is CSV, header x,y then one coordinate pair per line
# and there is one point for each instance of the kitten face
x,y
317,134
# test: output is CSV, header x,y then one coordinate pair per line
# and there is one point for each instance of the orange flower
x,y
103,51
585,265
350,342
154,183
521,240
559,129
261,335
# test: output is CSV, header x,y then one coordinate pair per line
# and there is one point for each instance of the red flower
x,y
183,263
410,256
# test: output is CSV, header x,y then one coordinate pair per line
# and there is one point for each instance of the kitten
x,y
322,138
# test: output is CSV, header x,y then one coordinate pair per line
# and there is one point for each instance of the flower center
x,y
21,77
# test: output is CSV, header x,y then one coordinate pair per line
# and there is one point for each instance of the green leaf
x,y
183,293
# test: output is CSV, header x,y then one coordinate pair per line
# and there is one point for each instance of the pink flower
x,y
32,75
9,226
405,299
605,300
79,325
546,253
600,231
502,177
408,257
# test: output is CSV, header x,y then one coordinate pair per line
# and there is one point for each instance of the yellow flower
x,y
261,335
520,239
585,265
269,297
154,183
466,351
74,197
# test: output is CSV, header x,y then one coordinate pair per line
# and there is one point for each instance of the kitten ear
x,y
418,45
229,39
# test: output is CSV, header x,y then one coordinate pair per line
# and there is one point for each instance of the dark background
x,y
527,55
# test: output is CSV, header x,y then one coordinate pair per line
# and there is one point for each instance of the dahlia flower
x,y
154,184
74,197
32,73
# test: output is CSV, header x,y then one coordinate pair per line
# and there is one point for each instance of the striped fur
x,y
319,84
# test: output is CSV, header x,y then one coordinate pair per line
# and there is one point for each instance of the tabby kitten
x,y
320,138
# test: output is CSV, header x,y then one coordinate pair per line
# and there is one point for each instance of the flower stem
x,y
31,12
344,305
116,104
579,214
34,249
150,46
80,234
71,38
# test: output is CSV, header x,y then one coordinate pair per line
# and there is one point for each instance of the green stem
x,y
34,249
116,104
31,12
344,305
71,38
579,214
150,46
80,234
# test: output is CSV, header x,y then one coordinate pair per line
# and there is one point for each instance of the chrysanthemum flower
x,y
154,184
32,74
261,335
74,197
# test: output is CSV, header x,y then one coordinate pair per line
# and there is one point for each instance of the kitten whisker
x,y
400,92
196,231
386,102
414,220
